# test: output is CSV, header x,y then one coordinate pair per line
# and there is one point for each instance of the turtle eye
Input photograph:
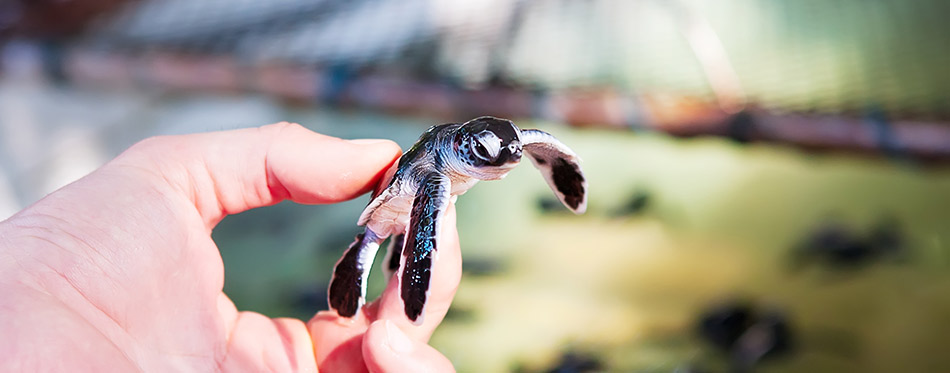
x,y
480,151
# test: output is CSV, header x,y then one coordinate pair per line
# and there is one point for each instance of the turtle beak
x,y
515,153
509,155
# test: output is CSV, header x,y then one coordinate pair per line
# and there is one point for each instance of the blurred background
x,y
769,186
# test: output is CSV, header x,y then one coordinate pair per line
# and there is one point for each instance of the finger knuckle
x,y
280,127
151,144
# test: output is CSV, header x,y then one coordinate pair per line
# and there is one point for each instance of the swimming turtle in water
x,y
446,161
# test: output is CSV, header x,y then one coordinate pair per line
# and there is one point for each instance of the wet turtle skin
x,y
445,162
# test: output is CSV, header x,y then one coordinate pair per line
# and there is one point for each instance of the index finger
x,y
228,172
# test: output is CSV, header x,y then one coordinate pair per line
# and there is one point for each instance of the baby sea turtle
x,y
446,161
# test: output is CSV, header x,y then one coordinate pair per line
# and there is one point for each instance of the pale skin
x,y
117,271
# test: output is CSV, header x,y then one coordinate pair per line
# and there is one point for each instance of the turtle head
x,y
488,147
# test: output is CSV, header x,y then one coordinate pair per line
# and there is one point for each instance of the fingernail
x,y
368,141
398,341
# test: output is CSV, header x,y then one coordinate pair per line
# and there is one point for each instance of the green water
x,y
720,222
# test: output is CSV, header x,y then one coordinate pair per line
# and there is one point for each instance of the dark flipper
x,y
425,222
560,168
393,253
348,286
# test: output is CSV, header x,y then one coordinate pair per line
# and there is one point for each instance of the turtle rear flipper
x,y
347,291
393,253
432,199
560,168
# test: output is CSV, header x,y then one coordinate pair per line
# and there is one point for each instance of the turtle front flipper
x,y
432,199
347,291
560,168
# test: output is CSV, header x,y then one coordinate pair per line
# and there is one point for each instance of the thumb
x,y
446,275
387,349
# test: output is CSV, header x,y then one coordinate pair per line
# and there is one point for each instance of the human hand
x,y
118,272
